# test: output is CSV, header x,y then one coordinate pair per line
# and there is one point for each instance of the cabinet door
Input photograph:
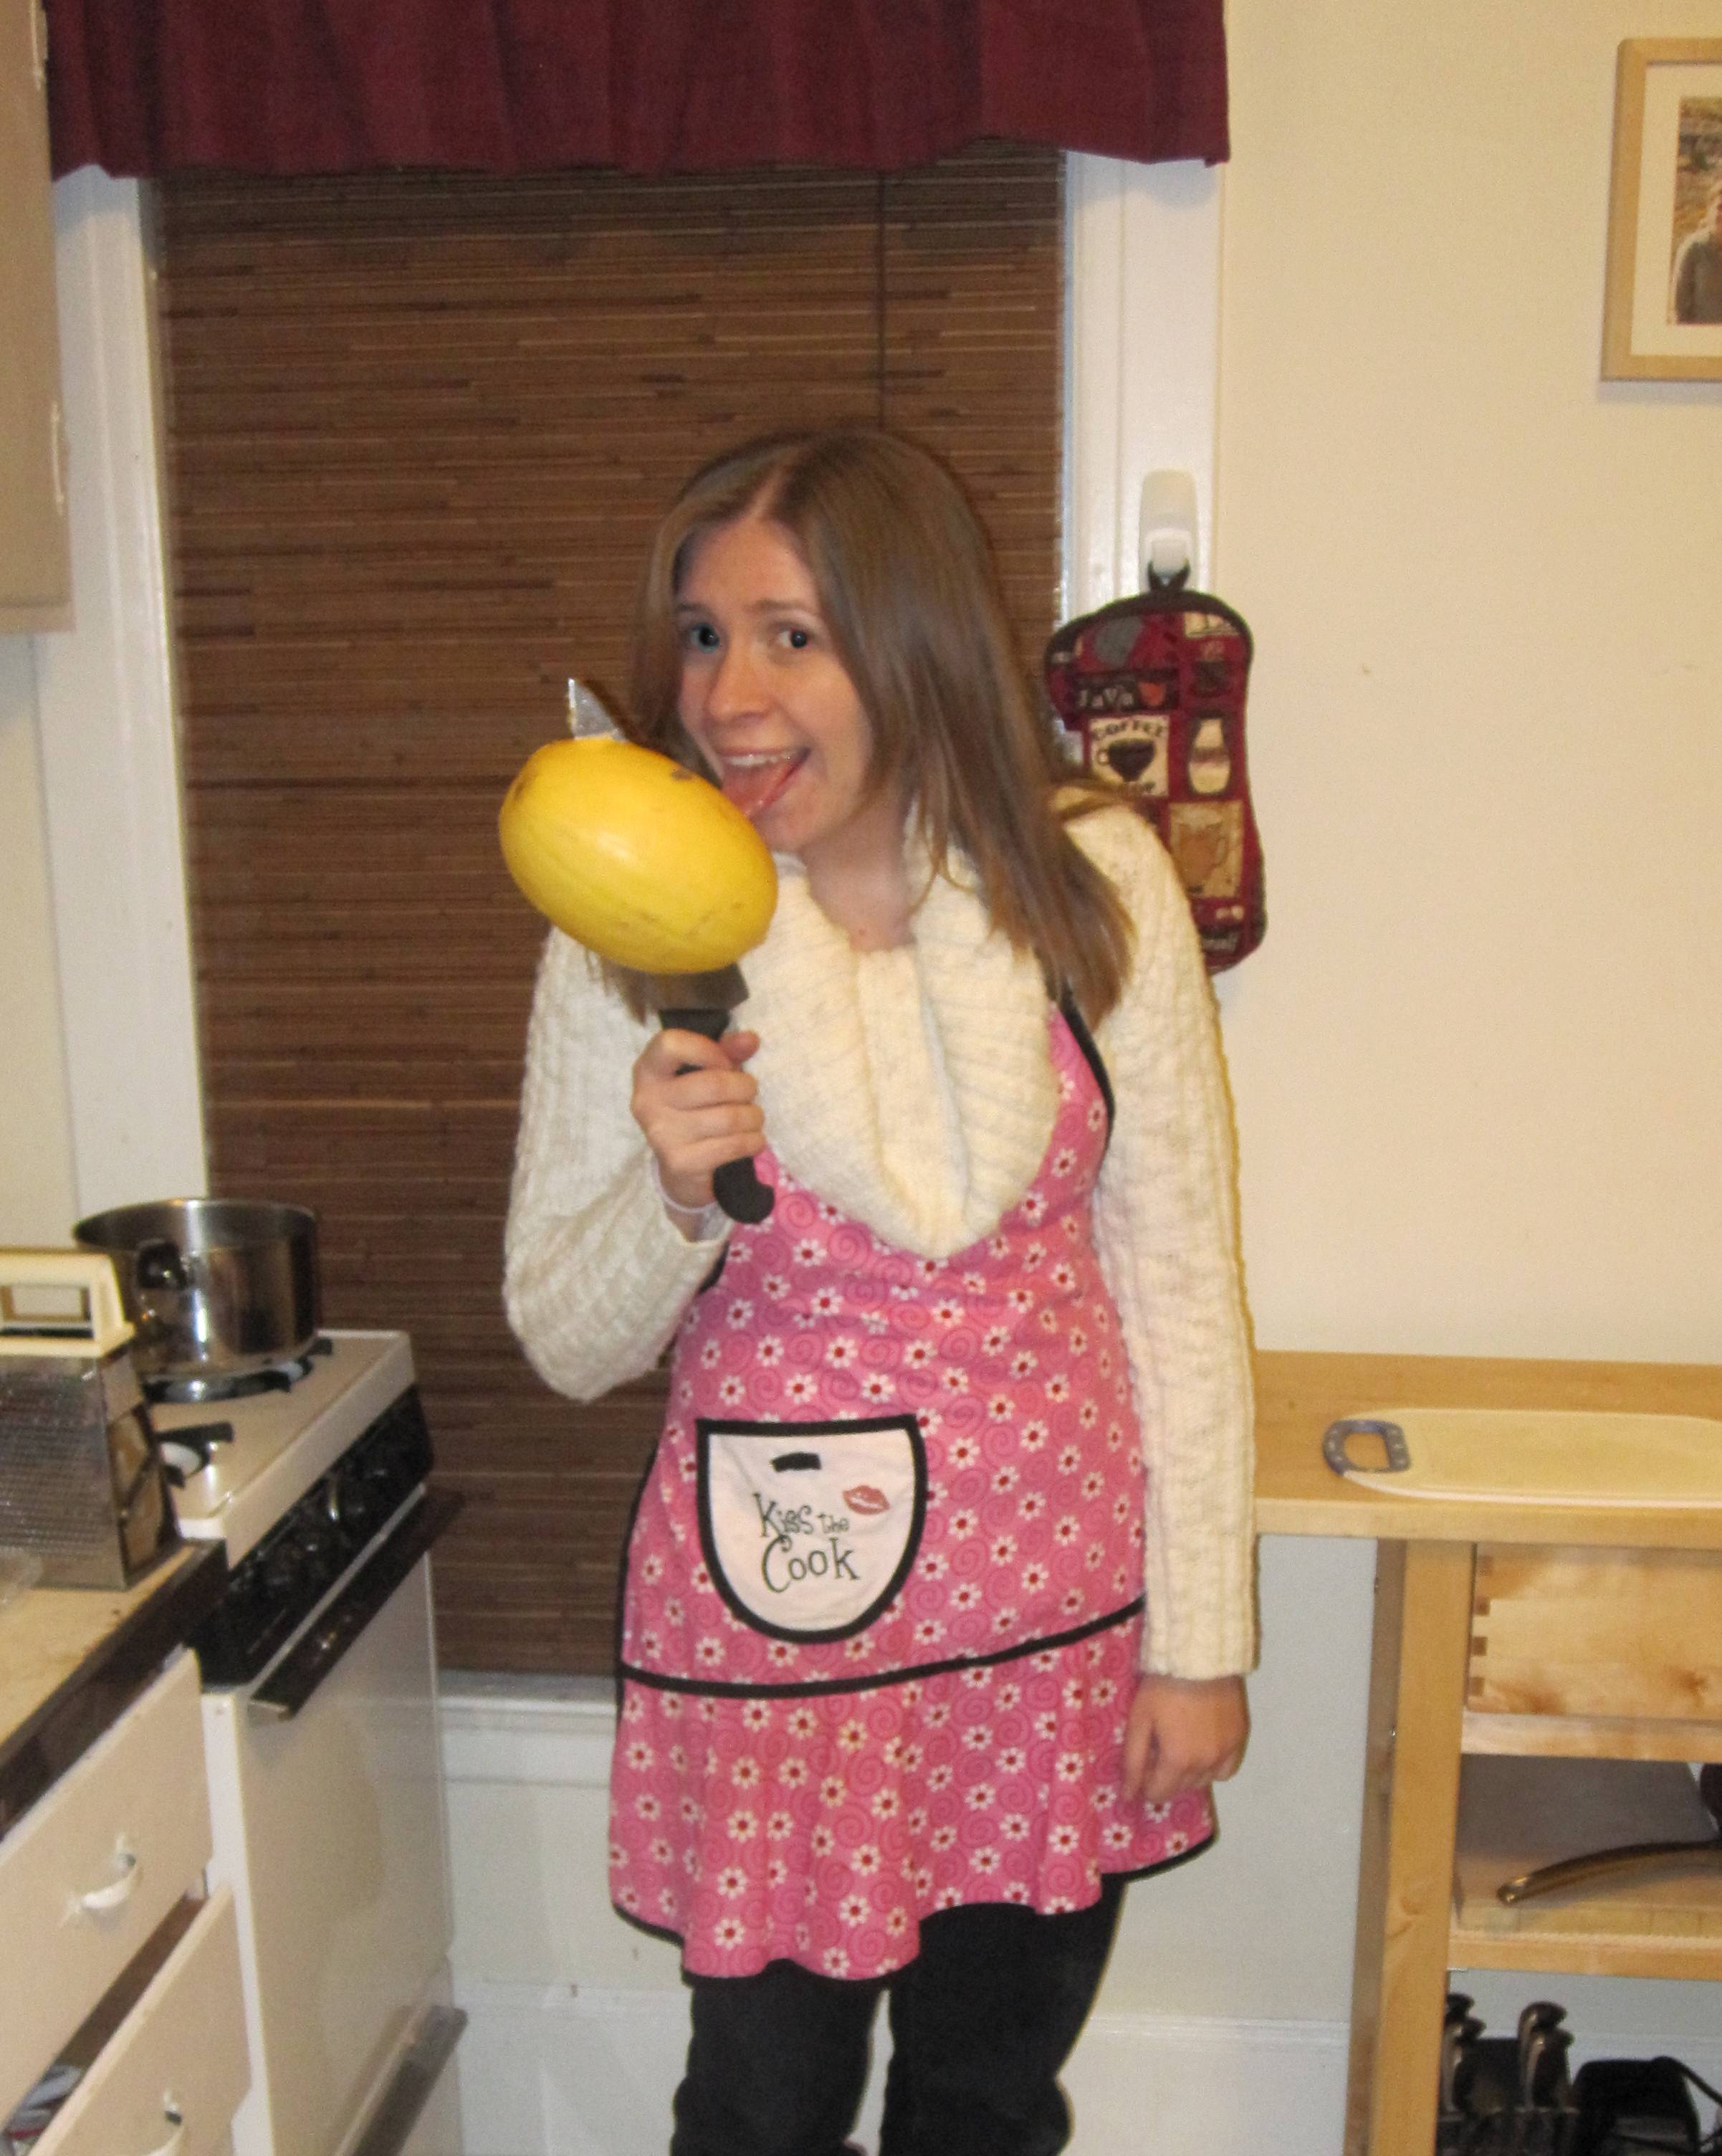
x,y
35,564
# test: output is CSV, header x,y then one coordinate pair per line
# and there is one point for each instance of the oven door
x,y
327,1800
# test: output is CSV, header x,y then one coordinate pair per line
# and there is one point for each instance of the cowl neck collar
x,y
913,1088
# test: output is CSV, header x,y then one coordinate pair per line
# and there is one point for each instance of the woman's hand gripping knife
x,y
1183,1733
697,1108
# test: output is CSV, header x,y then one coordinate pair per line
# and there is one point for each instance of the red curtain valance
x,y
146,87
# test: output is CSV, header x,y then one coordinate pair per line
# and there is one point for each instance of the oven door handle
x,y
421,2067
298,1673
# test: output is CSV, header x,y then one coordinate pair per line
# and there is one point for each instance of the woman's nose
x,y
734,689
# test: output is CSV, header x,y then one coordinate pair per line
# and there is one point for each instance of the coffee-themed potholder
x,y
1151,690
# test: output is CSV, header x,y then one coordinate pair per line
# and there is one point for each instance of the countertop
x,y
72,1660
1298,1395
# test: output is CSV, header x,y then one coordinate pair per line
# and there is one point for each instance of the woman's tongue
x,y
755,787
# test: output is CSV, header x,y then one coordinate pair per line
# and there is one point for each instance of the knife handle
x,y
736,1185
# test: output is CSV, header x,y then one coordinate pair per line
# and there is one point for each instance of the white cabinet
x,y
114,1959
35,553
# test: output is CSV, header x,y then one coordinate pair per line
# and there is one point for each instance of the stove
x,y
241,1463
322,1747
297,1481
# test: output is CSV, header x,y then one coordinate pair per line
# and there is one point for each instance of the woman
x,y
894,1715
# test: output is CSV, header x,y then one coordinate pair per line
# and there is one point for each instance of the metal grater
x,y
81,1482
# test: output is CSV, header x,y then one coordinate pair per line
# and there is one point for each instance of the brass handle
x,y
1574,1871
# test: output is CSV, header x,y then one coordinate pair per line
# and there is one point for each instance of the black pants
x,y
981,2023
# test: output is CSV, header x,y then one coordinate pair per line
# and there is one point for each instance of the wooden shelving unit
x,y
1541,1673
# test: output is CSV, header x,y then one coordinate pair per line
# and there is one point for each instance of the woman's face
x,y
768,703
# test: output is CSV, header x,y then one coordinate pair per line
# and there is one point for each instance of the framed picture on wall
x,y
1662,320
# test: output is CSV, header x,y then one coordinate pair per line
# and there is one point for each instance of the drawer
x,y
169,2080
1603,1632
92,1870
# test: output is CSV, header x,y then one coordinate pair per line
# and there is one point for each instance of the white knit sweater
x,y
914,1088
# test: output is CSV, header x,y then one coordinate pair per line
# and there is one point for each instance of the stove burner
x,y
189,1450
278,1378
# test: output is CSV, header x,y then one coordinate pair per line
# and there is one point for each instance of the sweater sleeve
x,y
595,1275
1167,1231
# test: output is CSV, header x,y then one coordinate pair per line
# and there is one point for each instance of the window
x,y
419,429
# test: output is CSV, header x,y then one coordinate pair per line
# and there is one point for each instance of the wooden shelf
x,y
1663,1919
1589,1736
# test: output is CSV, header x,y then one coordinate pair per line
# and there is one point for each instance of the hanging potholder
x,y
1151,690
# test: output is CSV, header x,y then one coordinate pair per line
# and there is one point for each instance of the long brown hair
x,y
908,589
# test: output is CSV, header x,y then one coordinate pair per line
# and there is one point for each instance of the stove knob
x,y
320,1551
282,1571
390,1477
355,1505
247,1592
384,1465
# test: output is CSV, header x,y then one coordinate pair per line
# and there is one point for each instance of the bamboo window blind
x,y
419,428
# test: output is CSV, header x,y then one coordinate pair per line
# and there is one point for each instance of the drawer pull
x,y
100,1899
175,2118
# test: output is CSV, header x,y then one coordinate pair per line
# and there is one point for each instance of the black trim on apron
x,y
1091,1055
877,1680
939,1916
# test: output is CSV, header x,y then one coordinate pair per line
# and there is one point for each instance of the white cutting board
x,y
1506,1456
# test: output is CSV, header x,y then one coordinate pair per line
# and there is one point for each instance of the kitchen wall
x,y
1474,1063
1477,1062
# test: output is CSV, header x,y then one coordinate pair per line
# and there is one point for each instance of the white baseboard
x,y
561,2073
532,1730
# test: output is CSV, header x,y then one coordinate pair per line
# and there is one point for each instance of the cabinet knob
x,y
175,2118
100,1899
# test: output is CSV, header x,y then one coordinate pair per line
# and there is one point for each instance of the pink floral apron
x,y
883,1609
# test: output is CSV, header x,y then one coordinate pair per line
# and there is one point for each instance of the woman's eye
x,y
799,640
700,636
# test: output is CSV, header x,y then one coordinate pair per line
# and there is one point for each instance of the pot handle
x,y
158,1264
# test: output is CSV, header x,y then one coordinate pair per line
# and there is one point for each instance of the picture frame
x,y
1662,318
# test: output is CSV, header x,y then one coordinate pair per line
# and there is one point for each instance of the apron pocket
x,y
809,1529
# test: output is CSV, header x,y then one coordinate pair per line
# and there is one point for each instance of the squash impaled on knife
x,y
636,857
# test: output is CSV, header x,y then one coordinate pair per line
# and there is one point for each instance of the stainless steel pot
x,y
216,1287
